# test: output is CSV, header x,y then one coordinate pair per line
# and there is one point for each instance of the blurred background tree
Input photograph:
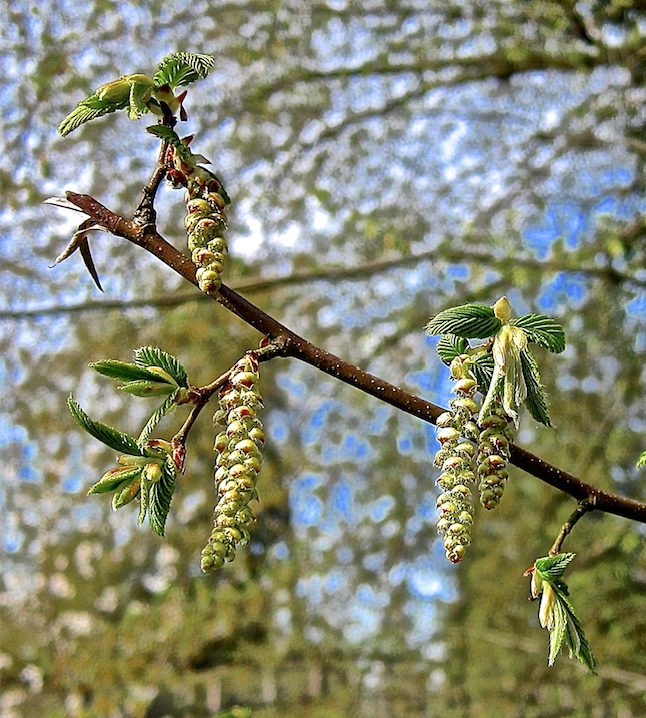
x,y
385,160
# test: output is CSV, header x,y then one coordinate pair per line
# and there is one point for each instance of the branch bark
x,y
292,345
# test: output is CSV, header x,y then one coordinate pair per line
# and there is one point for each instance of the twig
x,y
583,508
202,395
299,348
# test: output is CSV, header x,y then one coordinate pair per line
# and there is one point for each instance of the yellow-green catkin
x,y
494,452
238,462
456,432
205,224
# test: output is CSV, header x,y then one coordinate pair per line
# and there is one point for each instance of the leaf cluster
x,y
512,379
147,469
140,94
556,612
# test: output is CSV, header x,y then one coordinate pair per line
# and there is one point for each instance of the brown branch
x,y
295,346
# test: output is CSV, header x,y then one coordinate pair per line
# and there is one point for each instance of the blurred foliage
x,y
502,144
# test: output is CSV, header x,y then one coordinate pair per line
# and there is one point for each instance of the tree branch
x,y
295,346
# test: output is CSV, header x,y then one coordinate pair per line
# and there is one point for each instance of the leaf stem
x,y
583,508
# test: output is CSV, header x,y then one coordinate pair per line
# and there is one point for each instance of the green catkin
x,y
494,452
238,463
456,457
205,224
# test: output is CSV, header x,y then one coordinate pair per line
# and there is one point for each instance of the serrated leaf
x,y
542,331
182,68
87,110
482,369
124,371
557,630
113,478
161,495
641,461
166,408
451,346
574,634
106,434
146,389
139,95
153,356
474,321
127,494
535,401
551,568
164,132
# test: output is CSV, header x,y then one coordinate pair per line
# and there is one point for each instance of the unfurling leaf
x,y
556,613
113,478
166,408
535,401
125,371
182,68
451,346
106,434
471,321
154,357
161,495
641,461
542,331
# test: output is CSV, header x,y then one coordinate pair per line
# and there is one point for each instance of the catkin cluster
x,y
493,455
238,463
457,431
205,224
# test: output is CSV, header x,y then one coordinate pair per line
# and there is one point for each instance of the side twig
x,y
583,508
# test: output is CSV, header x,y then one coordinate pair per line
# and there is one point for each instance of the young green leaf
x,y
469,321
641,461
166,408
535,401
482,367
161,495
89,109
451,346
146,389
140,94
556,612
182,68
113,478
551,568
542,331
106,434
128,493
155,357
125,371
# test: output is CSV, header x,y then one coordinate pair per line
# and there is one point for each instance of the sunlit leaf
x,y
451,346
535,401
155,357
106,434
166,408
182,68
124,371
469,320
542,331
161,495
